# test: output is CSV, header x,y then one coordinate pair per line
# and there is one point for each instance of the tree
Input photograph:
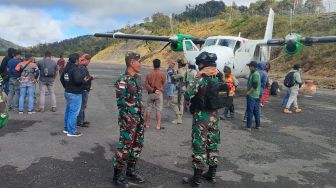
x,y
314,6
230,13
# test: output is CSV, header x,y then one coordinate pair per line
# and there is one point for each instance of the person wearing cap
x,y
84,62
294,91
29,74
180,85
130,121
205,122
253,96
155,81
48,72
72,81
170,84
14,84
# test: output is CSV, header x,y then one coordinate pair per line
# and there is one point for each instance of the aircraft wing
x,y
177,37
293,42
303,40
135,37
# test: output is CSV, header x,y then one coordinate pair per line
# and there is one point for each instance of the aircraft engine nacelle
x,y
176,43
292,44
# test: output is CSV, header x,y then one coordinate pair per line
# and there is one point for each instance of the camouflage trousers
x,y
130,141
178,108
205,139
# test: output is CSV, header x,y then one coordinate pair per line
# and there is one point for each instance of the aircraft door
x,y
242,56
190,51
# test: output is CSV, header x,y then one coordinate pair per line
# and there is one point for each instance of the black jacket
x,y
3,68
72,79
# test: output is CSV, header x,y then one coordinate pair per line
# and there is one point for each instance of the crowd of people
x,y
202,92
20,74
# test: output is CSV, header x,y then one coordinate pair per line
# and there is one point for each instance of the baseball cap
x,y
17,52
296,67
253,64
28,56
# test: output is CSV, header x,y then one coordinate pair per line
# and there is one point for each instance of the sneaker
x,y
287,111
86,123
20,112
247,129
32,112
298,110
53,109
82,125
258,128
76,134
65,132
40,110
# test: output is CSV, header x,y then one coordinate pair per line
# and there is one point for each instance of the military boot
x,y
178,119
194,181
211,174
119,180
133,175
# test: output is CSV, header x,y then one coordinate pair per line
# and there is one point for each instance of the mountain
x,y
4,45
82,44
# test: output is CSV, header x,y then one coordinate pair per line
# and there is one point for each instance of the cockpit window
x,y
210,42
227,42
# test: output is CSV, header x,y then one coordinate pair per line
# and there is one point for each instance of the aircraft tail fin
x,y
266,51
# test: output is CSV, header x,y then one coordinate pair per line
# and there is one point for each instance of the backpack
x,y
274,88
217,94
289,80
47,71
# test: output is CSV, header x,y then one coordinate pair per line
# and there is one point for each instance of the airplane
x,y
232,51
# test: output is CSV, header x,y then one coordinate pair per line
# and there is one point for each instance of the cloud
x,y
38,21
28,27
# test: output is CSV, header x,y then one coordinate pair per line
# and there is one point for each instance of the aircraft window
x,y
210,42
227,42
189,46
237,46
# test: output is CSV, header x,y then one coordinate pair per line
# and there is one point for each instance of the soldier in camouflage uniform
x,y
205,129
180,84
129,95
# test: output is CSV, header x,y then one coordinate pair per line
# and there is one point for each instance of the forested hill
x,y
82,44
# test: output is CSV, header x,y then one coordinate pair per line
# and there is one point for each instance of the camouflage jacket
x,y
129,93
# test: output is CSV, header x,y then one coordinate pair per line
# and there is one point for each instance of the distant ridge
x,y
4,45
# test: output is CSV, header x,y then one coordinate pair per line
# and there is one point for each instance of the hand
x,y
86,78
158,92
93,77
4,96
248,93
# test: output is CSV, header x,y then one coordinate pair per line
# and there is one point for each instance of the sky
x,y
32,22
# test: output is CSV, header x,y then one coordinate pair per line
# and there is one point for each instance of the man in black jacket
x,y
84,62
72,81
3,69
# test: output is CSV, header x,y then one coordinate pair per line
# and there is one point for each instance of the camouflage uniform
x,y
205,129
129,95
179,78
